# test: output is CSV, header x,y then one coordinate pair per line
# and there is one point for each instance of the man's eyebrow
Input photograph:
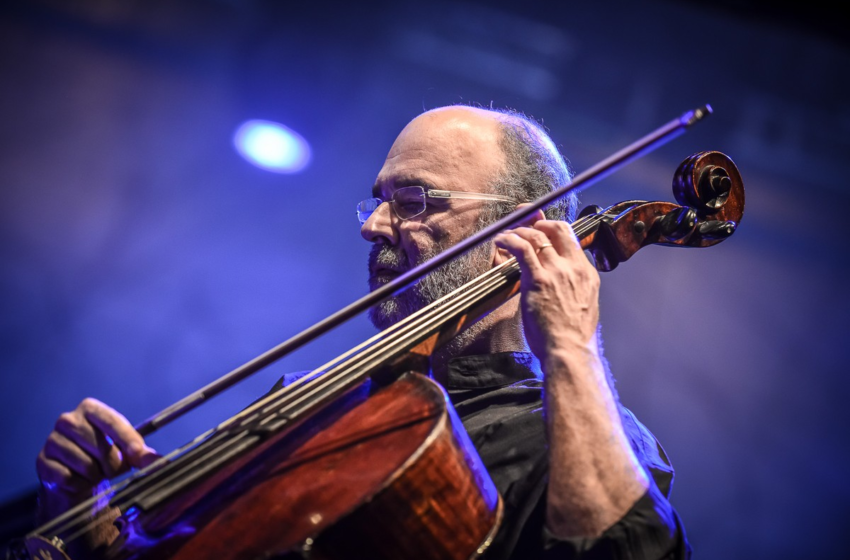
x,y
403,182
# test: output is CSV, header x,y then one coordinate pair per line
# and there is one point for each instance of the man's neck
x,y
501,331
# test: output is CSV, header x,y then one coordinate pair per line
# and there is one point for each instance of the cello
x,y
291,461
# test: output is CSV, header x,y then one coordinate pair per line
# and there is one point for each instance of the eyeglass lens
x,y
407,202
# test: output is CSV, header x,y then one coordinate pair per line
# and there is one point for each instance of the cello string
x,y
81,509
328,380
579,231
580,227
324,368
337,381
119,495
328,366
97,521
367,367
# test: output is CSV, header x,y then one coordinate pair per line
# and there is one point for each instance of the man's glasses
x,y
409,202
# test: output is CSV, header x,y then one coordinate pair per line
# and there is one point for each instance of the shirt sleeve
x,y
651,529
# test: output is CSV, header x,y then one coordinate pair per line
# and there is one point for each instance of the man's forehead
x,y
440,145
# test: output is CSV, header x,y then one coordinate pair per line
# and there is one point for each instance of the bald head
x,y
530,166
462,117
456,143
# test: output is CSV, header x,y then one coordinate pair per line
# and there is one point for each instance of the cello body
x,y
388,477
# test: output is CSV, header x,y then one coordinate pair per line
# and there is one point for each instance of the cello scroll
x,y
710,193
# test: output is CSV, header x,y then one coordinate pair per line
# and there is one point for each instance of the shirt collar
x,y
487,371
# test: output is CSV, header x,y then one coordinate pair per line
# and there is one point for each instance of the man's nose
x,y
381,224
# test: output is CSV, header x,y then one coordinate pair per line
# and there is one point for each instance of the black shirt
x,y
499,400
498,397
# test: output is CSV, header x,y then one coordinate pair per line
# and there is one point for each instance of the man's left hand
x,y
560,308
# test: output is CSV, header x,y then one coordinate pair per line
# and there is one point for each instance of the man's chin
x,y
393,309
376,282
381,320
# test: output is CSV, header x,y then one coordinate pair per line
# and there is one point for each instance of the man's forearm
x,y
594,477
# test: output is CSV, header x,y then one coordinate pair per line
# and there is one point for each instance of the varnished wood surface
x,y
388,477
632,225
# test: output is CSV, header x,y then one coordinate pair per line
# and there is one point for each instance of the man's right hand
x,y
88,445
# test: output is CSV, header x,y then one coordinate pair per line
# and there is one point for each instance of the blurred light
x,y
272,146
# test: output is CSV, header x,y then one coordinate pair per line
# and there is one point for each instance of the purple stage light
x,y
272,146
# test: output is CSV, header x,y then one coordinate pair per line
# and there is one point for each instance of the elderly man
x,y
579,475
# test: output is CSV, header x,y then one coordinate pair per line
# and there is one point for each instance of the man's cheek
x,y
415,244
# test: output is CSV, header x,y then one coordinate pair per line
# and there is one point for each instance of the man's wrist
x,y
569,358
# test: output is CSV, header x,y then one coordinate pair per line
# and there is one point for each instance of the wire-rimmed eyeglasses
x,y
409,202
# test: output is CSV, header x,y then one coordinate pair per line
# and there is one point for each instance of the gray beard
x,y
432,287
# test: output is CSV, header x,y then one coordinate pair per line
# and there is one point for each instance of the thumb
x,y
141,455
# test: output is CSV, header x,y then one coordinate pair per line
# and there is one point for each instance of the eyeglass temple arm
x,y
470,195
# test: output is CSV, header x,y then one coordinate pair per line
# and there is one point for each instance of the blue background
x,y
142,257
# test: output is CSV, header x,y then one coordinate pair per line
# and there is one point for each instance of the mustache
x,y
386,256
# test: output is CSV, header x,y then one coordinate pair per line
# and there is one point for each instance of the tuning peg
x,y
678,223
714,186
716,229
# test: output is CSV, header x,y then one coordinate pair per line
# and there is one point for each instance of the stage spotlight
x,y
272,146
